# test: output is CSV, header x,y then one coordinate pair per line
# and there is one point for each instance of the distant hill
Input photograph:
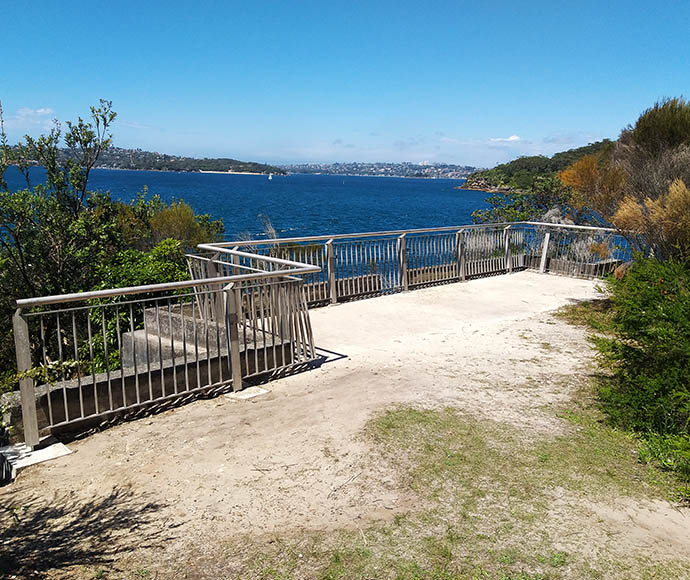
x,y
118,158
519,174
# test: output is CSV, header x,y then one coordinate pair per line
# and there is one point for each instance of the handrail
x,y
294,268
218,245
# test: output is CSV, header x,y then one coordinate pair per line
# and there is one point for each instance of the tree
x,y
547,200
640,186
58,237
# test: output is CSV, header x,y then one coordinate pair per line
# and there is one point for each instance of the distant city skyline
x,y
312,82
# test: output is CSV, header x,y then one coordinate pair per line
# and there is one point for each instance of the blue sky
x,y
463,82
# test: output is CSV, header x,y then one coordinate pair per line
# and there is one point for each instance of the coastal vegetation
x,y
59,237
523,173
640,186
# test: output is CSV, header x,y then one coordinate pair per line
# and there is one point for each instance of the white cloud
x,y
511,139
134,125
27,118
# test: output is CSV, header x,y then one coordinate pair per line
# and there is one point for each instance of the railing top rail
x,y
296,268
269,259
217,245
571,227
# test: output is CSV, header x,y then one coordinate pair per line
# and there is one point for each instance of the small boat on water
x,y
270,176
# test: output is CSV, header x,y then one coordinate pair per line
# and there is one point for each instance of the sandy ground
x,y
295,459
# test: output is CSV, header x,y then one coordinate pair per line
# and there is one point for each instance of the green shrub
x,y
649,349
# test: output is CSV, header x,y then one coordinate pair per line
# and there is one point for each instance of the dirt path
x,y
295,459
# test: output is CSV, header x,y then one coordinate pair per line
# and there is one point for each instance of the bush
x,y
649,350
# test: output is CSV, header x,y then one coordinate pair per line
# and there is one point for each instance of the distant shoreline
x,y
231,172
283,174
183,171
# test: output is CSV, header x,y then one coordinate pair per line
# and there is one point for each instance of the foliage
x,y
649,350
58,237
178,221
547,200
664,126
164,263
640,185
672,453
664,221
522,173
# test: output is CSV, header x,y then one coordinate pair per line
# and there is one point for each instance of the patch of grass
x,y
484,510
671,453
597,315
485,504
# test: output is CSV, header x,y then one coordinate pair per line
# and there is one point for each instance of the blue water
x,y
298,205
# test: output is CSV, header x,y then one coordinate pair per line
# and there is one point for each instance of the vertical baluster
x,y
183,317
195,331
49,395
92,362
119,350
107,359
62,366
160,346
148,349
134,352
207,344
262,318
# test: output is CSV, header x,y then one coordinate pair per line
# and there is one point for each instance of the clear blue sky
x,y
464,82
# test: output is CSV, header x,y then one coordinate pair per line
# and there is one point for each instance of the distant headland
x,y
521,173
137,159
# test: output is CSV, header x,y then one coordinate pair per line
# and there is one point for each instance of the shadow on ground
x,y
41,535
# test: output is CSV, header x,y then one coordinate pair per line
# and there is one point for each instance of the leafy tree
x,y
178,221
58,237
547,200
640,185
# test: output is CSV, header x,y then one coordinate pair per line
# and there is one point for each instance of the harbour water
x,y
298,204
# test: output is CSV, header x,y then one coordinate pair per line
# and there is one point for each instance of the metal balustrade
x,y
89,356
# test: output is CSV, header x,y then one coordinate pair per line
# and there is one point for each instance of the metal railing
x,y
374,263
88,356
244,312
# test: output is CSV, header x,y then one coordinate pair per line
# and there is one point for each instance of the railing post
x,y
235,262
402,263
508,252
232,302
330,260
460,249
27,392
544,251
215,299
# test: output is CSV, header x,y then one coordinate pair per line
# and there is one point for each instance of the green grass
x,y
597,315
484,508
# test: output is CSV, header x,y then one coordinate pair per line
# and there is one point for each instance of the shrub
x,y
649,349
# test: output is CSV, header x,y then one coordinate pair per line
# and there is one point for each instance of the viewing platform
x,y
245,316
